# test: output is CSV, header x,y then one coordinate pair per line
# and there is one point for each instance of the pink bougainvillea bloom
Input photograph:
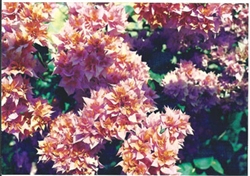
x,y
23,25
128,105
40,114
15,88
17,57
189,84
71,145
94,50
22,115
200,17
153,147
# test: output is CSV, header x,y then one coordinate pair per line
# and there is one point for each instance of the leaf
x,y
236,119
186,169
203,163
203,173
66,106
182,108
214,66
113,164
156,77
174,60
162,130
129,9
151,84
217,166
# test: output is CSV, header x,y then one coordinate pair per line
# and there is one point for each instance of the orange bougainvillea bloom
x,y
22,115
153,147
72,144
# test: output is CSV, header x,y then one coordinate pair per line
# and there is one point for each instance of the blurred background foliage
x,y
218,146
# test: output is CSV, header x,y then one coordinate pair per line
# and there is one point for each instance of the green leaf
x,y
182,108
214,66
164,47
217,166
186,169
66,106
237,146
174,60
151,84
157,77
236,119
162,130
129,10
113,164
203,163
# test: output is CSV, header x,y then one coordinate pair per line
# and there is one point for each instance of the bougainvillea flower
x,y
15,88
69,156
189,84
199,17
153,147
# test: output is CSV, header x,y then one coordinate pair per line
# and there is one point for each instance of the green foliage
x,y
219,153
187,169
157,77
8,150
129,10
151,84
203,163
217,166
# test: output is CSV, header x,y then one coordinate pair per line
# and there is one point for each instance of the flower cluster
x,y
199,17
203,50
187,84
22,115
231,20
153,148
23,25
109,113
91,55
126,105
92,51
239,24
233,79
64,147
92,17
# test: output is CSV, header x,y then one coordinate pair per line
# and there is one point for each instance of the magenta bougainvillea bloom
x,y
92,17
109,113
153,147
200,90
91,56
63,146
16,54
24,24
29,18
199,17
22,115
233,79
98,61
94,62
126,106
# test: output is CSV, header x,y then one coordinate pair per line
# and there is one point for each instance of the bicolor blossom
x,y
153,147
22,115
63,146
